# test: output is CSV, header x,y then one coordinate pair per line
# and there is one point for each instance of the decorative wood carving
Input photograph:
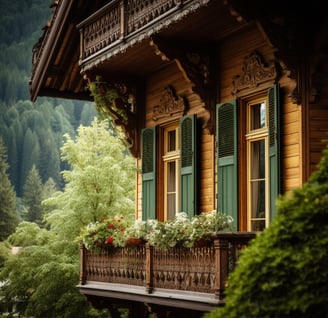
x,y
196,269
169,105
134,19
254,73
196,66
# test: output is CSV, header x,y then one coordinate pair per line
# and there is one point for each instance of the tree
x,y
46,270
100,182
284,272
8,217
32,196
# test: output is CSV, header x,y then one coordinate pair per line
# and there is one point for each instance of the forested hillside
x,y
32,132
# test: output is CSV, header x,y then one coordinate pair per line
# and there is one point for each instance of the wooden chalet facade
x,y
224,104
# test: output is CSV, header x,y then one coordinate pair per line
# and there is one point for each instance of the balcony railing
x,y
203,269
120,19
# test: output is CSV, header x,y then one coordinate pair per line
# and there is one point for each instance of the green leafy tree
x,y
8,217
32,196
284,272
100,182
45,272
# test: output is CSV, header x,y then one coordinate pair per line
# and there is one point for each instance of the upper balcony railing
x,y
120,19
203,269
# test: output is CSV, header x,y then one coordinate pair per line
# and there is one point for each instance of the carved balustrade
x,y
120,19
198,269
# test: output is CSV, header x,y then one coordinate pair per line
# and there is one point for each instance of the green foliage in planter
x,y
284,272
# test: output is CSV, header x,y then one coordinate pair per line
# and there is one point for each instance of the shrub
x,y
284,272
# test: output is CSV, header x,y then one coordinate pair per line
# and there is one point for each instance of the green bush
x,y
284,272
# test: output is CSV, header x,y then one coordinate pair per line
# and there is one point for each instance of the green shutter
x,y
226,136
148,158
188,195
274,156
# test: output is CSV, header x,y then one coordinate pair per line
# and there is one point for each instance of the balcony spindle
x,y
123,20
149,268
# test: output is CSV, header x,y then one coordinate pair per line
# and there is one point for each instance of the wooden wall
x,y
303,127
231,65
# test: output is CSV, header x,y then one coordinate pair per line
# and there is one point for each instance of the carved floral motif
x,y
170,104
254,72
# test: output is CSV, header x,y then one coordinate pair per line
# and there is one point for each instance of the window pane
x,y
171,177
171,206
258,199
171,189
258,159
171,140
257,116
258,225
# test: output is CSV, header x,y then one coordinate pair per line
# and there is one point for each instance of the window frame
x,y
152,146
231,126
169,156
254,135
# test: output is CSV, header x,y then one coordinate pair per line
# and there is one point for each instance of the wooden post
x,y
149,268
221,250
83,277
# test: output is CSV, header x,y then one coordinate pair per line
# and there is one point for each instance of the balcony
x,y
119,20
193,278
129,36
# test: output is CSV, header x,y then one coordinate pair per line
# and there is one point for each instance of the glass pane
x,y
257,116
171,177
171,140
258,199
171,206
258,159
171,189
258,225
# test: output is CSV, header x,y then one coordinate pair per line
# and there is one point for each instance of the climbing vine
x,y
112,100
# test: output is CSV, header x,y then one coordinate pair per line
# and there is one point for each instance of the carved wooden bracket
x,y
118,101
254,73
169,105
196,65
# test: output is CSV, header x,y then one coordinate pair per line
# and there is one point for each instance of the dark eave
x,y
296,30
55,70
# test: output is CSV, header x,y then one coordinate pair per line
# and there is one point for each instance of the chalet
x,y
224,105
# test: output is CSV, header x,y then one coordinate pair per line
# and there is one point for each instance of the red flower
x,y
111,226
109,240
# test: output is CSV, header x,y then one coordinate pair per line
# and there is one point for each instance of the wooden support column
x,y
221,250
83,263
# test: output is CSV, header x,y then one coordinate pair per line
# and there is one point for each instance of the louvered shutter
x,y
274,153
188,201
226,136
148,158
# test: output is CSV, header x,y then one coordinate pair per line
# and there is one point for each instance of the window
x,y
248,159
171,162
257,165
169,169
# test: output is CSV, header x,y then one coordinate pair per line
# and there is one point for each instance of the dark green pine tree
x,y
32,196
30,156
8,217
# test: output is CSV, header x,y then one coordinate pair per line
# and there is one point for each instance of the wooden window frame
x,y
168,157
